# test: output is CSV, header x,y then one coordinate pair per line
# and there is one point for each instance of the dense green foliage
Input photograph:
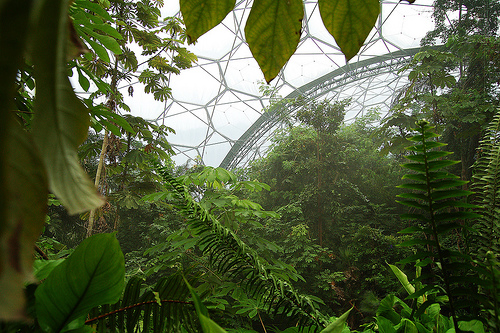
x,y
335,196
289,244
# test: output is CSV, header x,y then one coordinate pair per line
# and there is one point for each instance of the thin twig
x,y
261,322
41,253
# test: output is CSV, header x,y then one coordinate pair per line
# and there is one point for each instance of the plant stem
x,y
134,306
261,322
446,277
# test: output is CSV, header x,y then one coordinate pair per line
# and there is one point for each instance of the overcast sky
x,y
217,100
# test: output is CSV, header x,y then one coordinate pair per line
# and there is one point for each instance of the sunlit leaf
x,y
403,279
61,121
273,32
202,15
94,274
349,22
338,325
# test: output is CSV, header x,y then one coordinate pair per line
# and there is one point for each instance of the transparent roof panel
x,y
218,110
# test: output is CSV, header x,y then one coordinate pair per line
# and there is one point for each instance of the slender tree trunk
x,y
112,106
318,202
98,174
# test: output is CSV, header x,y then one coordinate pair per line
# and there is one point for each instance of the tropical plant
x,y
92,275
139,23
125,177
229,256
273,28
44,159
334,175
32,163
394,315
448,269
474,18
164,307
487,237
452,85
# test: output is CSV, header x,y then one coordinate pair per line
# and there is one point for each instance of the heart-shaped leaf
x,y
273,33
349,22
202,15
93,275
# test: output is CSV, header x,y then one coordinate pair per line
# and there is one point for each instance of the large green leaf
x,y
61,120
15,248
349,22
202,15
273,33
207,324
338,325
27,203
93,275
385,325
410,289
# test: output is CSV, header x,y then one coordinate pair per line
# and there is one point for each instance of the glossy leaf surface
x,y
93,275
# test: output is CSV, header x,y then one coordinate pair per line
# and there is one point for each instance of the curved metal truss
x,y
218,106
369,84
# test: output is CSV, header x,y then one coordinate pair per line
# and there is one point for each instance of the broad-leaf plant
x,y
44,122
273,27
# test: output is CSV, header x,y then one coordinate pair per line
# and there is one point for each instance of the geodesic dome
x,y
218,109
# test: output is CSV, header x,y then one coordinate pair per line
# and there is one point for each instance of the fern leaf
x,y
229,255
435,194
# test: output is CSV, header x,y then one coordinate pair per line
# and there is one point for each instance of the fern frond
x,y
487,237
230,256
436,195
163,308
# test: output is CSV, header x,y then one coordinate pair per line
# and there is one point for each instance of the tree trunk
x,y
318,202
100,167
